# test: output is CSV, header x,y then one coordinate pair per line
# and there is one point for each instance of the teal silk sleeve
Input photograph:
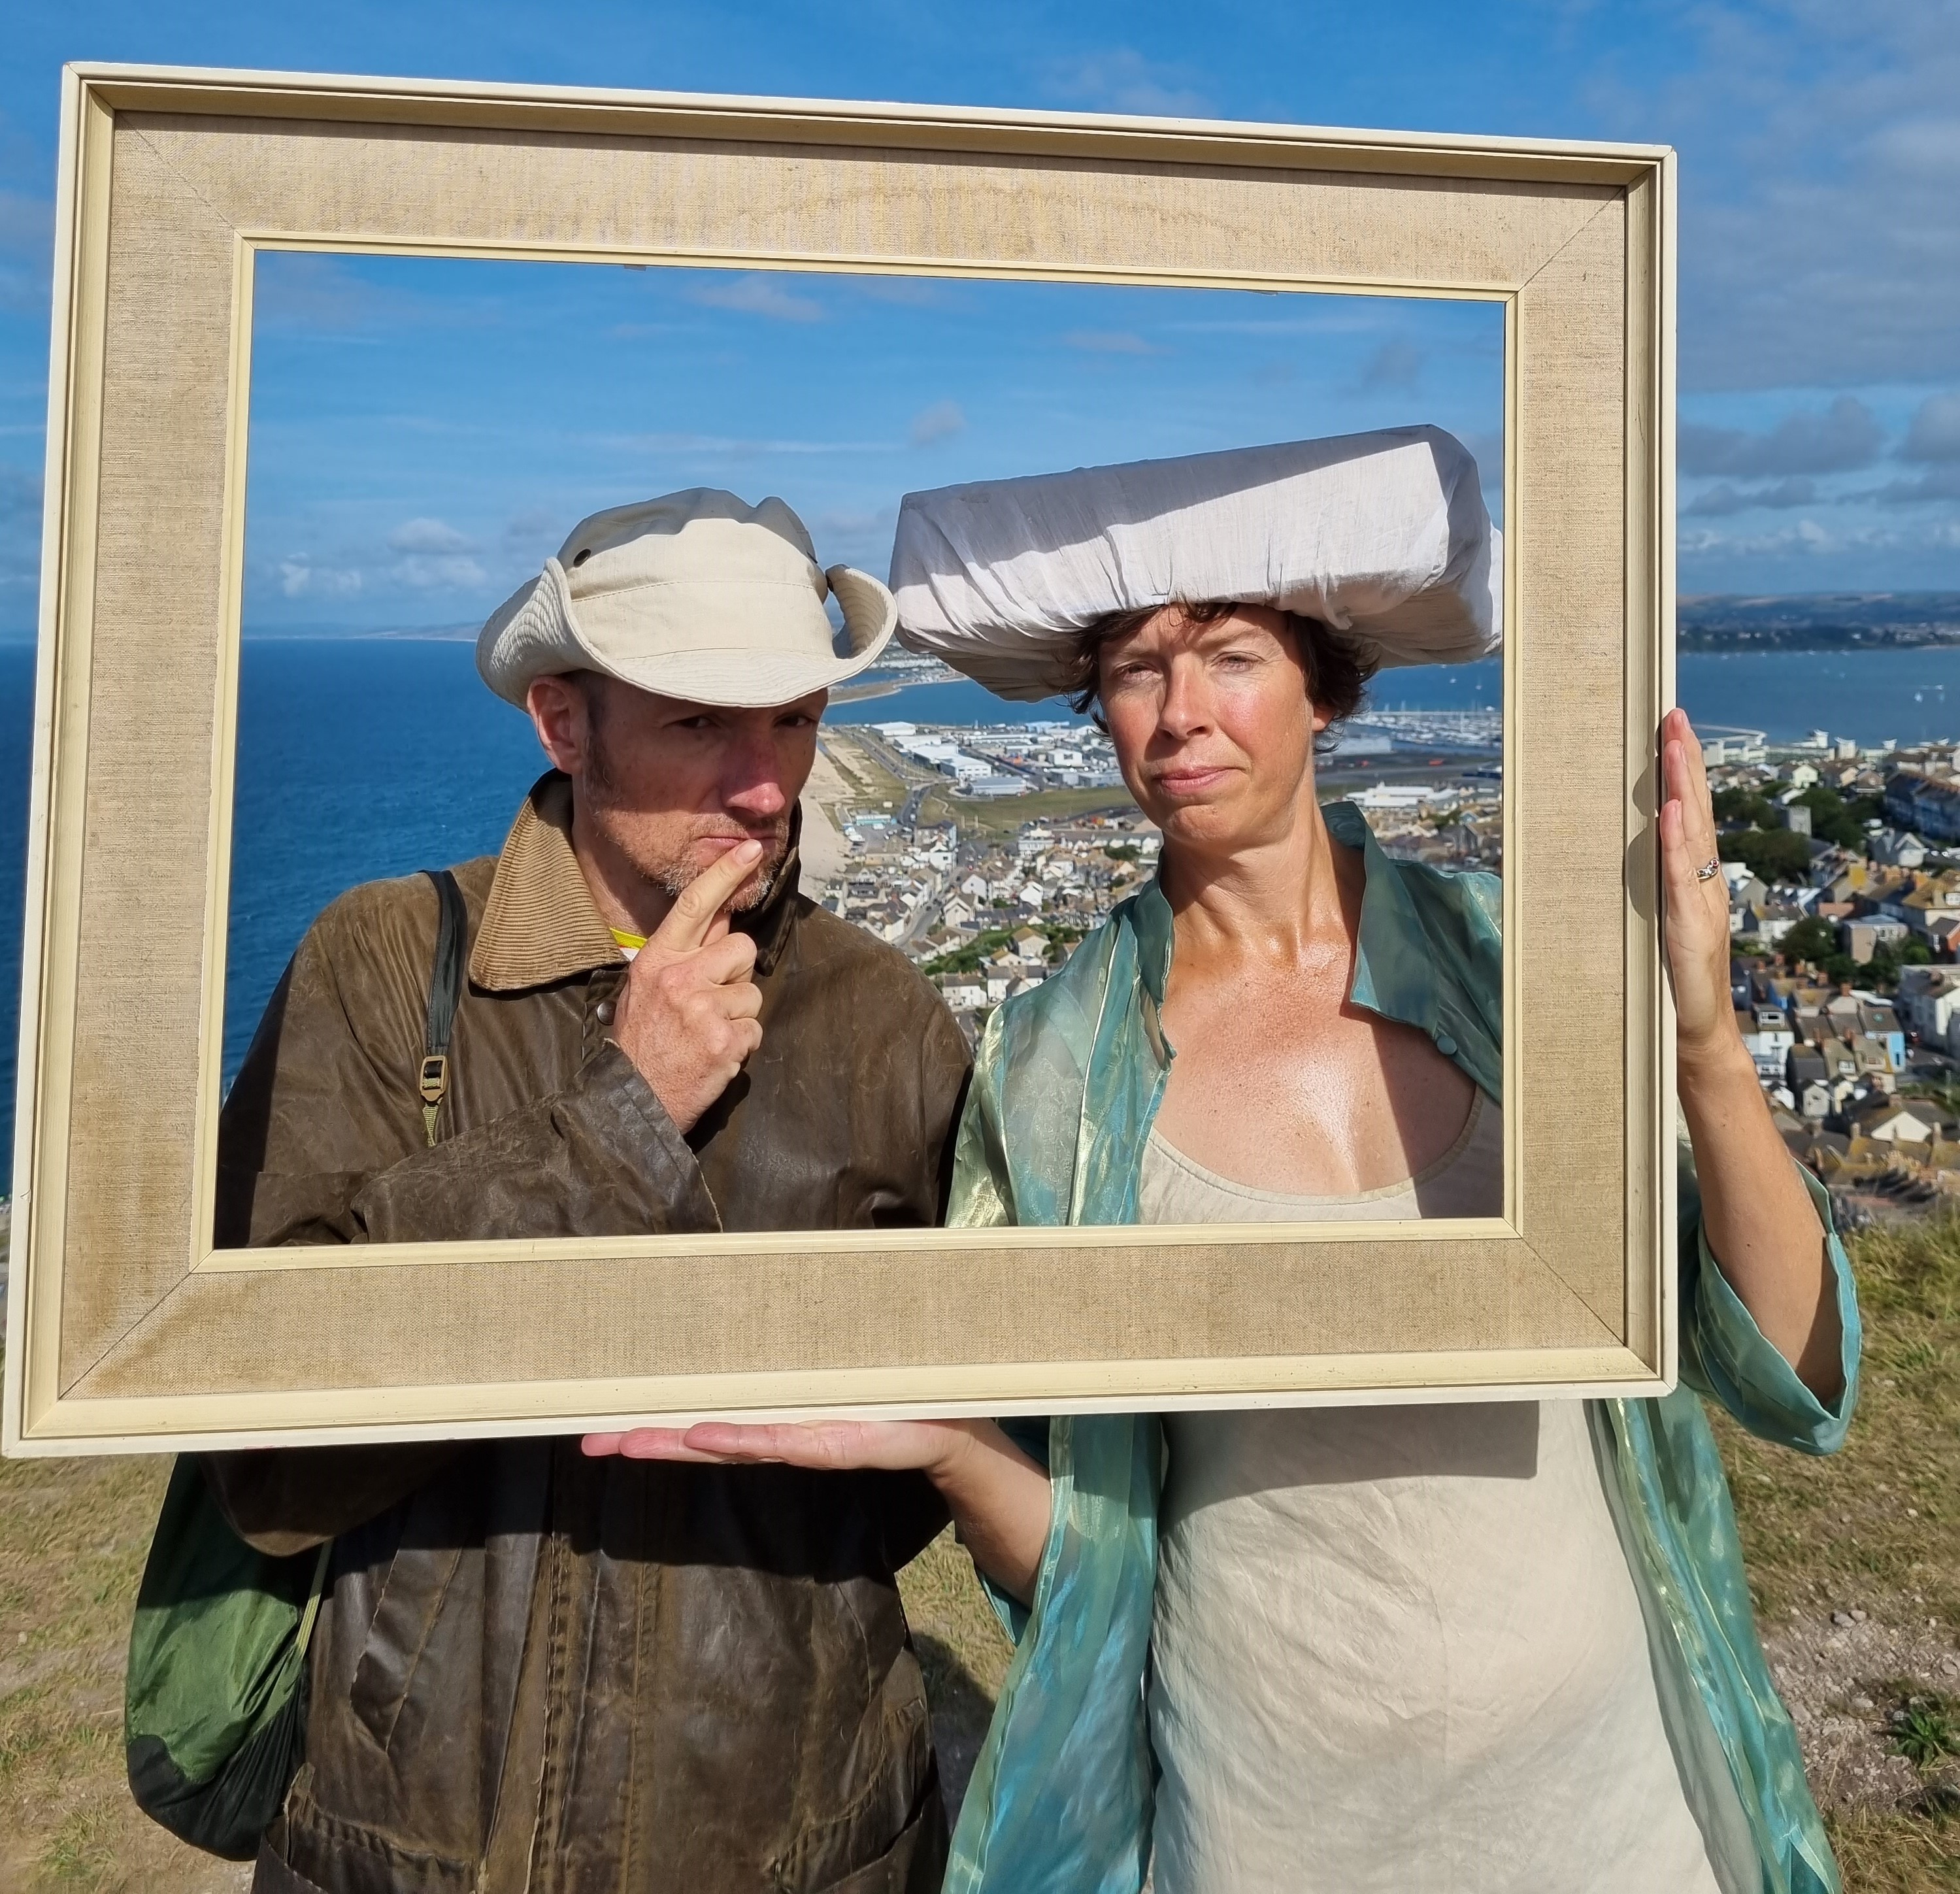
x,y
1060,1797
1725,1356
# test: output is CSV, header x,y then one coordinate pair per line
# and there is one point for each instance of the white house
x,y
1767,1038
1929,997
1898,848
1900,1124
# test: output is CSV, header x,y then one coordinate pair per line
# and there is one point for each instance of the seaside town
x,y
1842,865
986,852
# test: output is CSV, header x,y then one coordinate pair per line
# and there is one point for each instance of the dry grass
x,y
1876,1530
1001,816
73,1537
1872,1535
862,776
962,1650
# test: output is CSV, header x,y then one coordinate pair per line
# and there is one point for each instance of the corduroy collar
x,y
540,923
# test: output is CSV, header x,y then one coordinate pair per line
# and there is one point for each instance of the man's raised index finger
x,y
696,907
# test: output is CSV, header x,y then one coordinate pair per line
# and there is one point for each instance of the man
x,y
535,1669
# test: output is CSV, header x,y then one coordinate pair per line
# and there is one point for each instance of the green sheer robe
x,y
1068,1083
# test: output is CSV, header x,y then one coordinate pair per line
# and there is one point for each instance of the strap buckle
x,y
435,1078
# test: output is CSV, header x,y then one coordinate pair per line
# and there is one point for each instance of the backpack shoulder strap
x,y
445,992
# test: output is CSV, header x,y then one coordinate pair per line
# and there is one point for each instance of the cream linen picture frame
x,y
127,1331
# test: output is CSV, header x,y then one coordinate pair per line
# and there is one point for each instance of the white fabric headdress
x,y
1383,537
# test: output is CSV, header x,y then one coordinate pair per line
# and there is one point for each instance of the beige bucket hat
x,y
1382,536
695,595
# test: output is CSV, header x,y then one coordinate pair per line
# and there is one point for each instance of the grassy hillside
x,y
1855,1563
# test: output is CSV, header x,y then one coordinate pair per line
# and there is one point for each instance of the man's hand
x,y
687,1013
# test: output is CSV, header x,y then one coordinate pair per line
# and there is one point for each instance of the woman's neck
x,y
1286,899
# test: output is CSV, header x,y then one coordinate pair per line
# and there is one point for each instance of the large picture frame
x,y
128,1331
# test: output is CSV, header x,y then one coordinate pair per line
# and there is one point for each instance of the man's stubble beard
x,y
674,873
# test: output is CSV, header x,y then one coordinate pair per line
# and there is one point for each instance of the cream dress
x,y
1399,1648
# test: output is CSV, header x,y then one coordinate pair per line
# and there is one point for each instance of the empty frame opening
x,y
424,431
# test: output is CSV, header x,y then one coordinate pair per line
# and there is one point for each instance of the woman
x,y
1459,1646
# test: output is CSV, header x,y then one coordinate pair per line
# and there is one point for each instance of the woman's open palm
x,y
1695,929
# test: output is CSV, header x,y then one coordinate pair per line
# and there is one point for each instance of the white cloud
x,y
299,577
758,296
943,419
1807,538
426,536
1821,166
1845,435
1724,498
451,572
1940,482
420,555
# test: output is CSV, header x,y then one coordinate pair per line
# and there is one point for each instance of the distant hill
x,y
1818,622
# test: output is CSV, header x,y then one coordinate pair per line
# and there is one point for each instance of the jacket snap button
x,y
1444,1045
602,1012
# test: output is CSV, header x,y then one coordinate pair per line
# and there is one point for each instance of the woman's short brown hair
x,y
1336,672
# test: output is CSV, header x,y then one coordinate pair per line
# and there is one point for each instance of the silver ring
x,y
1708,869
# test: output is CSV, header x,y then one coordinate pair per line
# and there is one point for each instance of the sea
x,y
365,757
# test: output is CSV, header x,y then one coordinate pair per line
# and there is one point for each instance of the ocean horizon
x,y
365,757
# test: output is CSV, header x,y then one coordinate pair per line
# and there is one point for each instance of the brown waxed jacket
x,y
534,1671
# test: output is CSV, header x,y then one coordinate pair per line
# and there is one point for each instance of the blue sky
x,y
423,432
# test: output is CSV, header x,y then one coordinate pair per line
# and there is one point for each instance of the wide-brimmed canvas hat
x,y
1384,537
696,595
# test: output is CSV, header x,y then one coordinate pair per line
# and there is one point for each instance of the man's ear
x,y
562,719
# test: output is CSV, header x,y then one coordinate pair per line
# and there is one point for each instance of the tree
x,y
1772,855
1743,805
1815,942
1830,820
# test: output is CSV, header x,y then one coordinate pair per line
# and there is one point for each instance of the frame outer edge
x,y
241,92
89,97
1667,213
14,1420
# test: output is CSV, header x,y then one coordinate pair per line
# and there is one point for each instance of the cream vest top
x,y
1398,1647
